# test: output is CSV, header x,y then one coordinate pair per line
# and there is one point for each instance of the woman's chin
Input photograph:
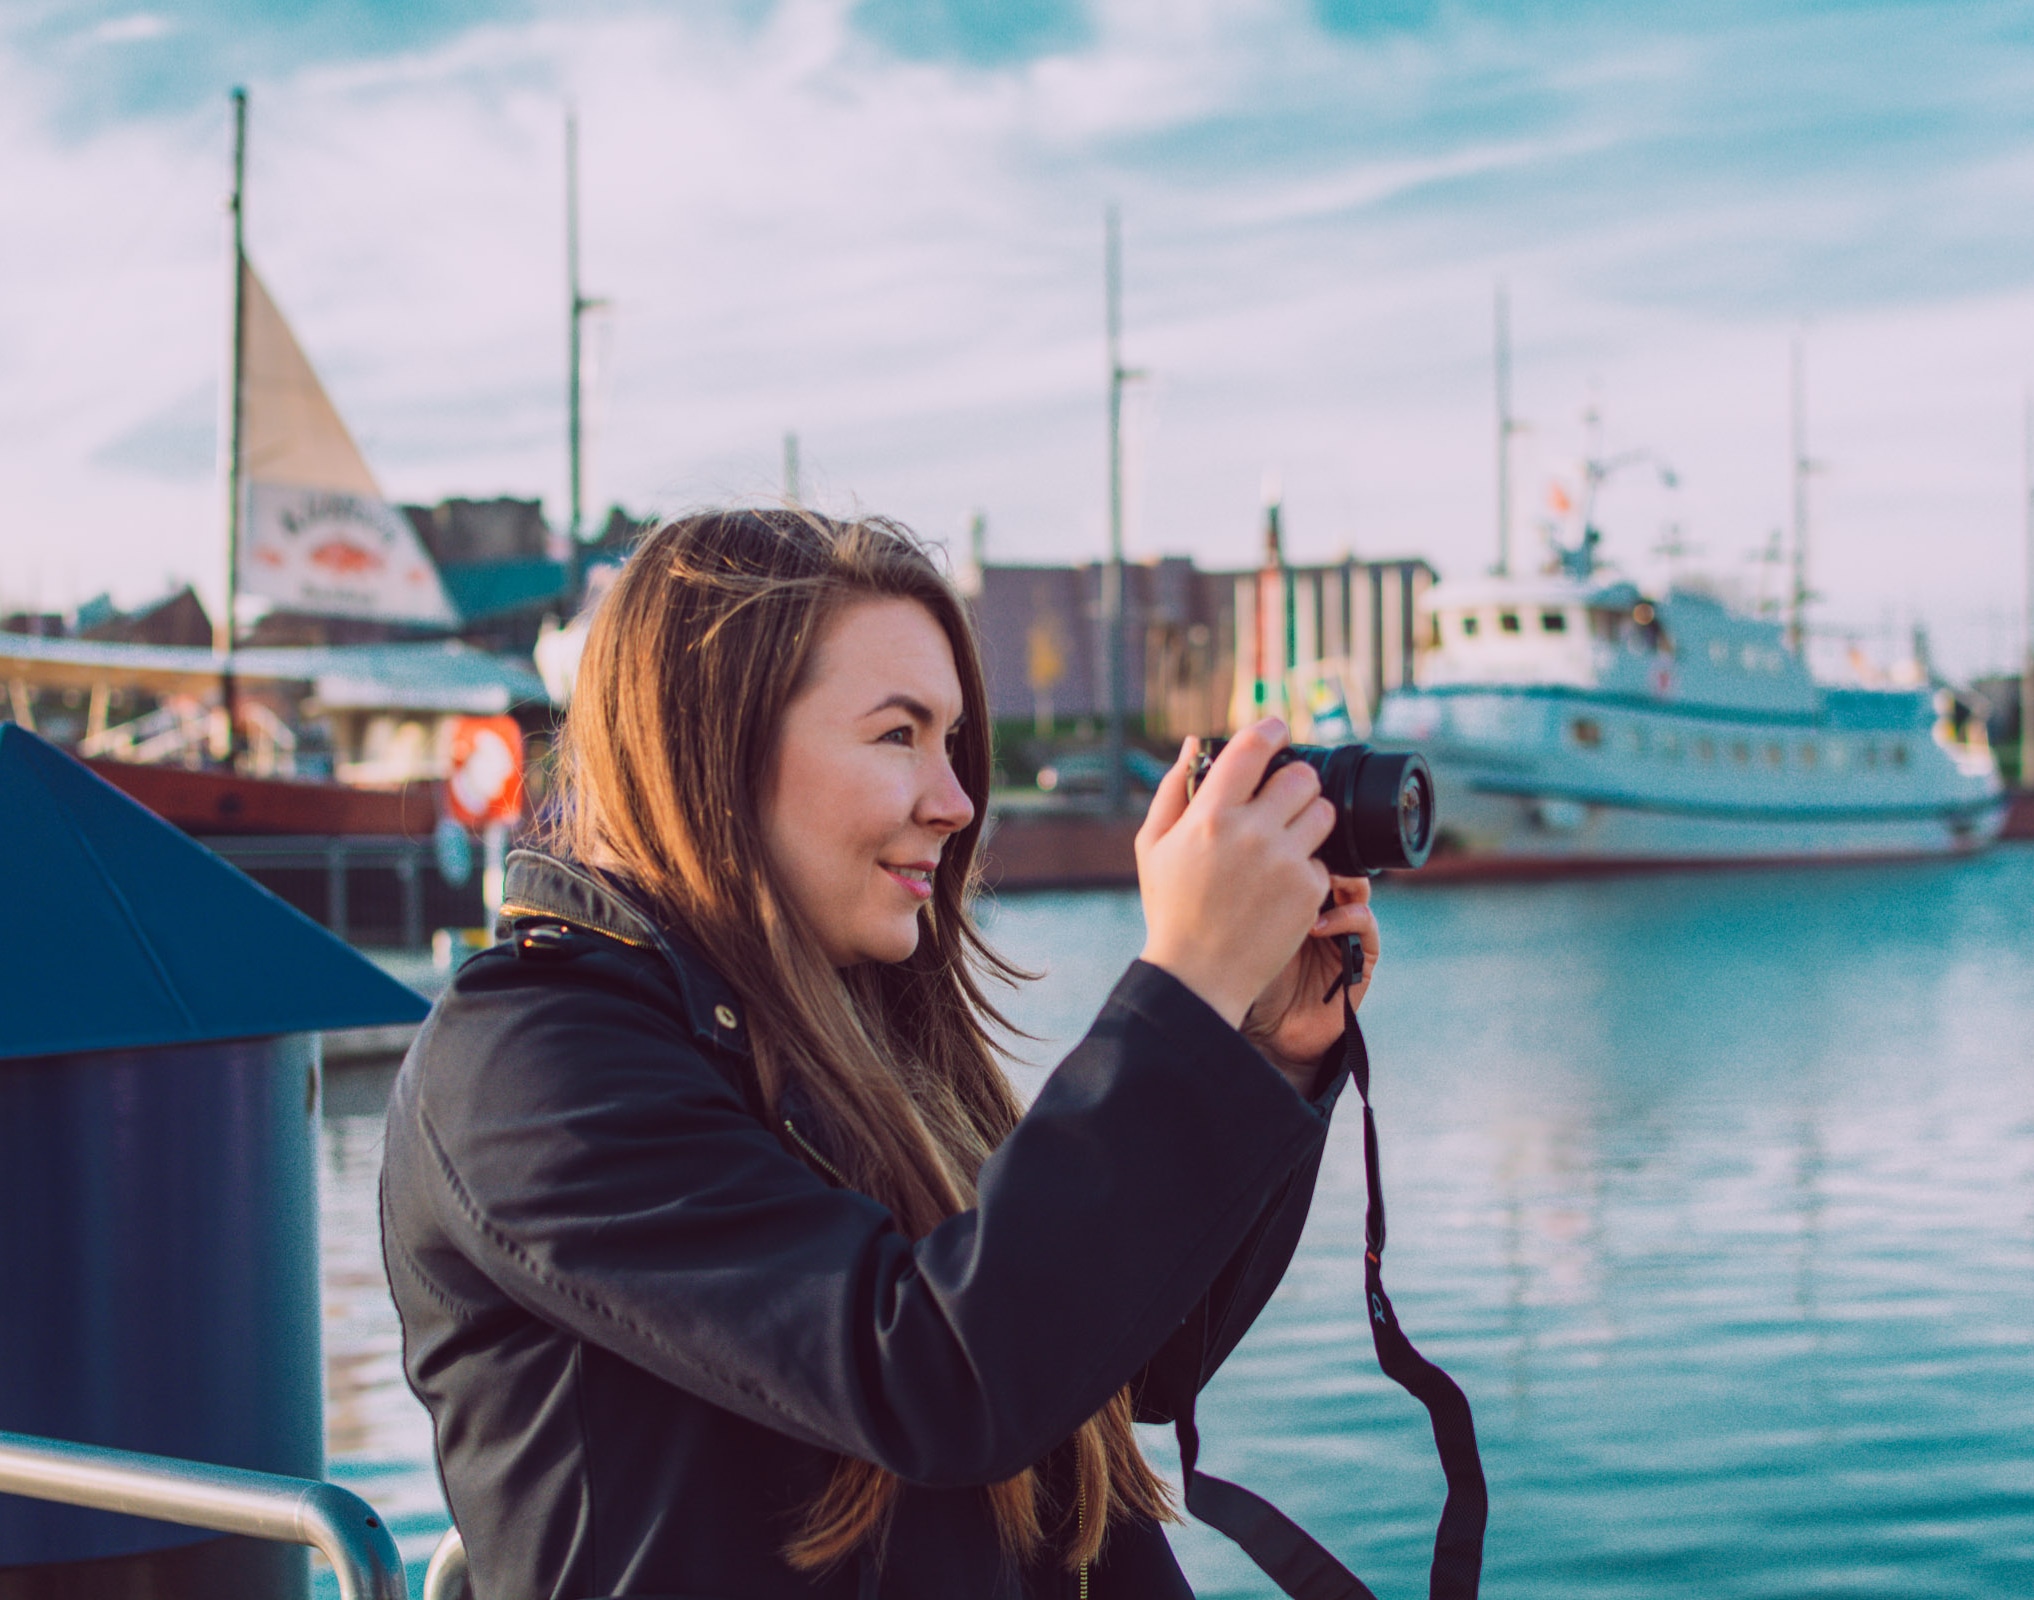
x,y
894,944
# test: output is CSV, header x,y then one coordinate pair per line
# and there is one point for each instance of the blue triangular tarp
x,y
119,932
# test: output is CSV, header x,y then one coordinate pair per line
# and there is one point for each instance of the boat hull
x,y
1573,782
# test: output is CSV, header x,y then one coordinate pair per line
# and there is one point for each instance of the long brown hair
x,y
693,656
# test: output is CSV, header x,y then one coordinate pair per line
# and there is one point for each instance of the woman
x,y
728,1263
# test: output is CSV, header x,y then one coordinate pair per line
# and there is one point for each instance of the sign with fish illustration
x,y
338,555
317,535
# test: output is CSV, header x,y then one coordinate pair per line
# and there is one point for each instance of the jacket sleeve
x,y
1213,1328
577,1148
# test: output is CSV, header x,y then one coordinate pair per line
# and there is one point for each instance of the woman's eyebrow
x,y
914,708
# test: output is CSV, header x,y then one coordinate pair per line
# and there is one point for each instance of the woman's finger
x,y
1169,804
1239,769
1351,891
1345,919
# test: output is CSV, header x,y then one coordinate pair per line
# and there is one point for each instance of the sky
x,y
878,223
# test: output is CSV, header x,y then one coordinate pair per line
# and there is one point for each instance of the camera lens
x,y
1383,800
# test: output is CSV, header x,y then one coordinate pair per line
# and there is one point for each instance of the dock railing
x,y
445,1577
259,1505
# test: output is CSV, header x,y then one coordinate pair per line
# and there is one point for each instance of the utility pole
x,y
1112,575
580,303
791,469
223,626
1276,566
1797,605
1506,427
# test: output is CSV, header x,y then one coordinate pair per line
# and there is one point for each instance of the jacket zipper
x,y
1081,1520
818,1160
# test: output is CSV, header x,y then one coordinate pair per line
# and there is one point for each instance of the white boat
x,y
1574,722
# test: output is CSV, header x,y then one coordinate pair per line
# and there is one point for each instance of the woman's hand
x,y
1291,1022
1229,880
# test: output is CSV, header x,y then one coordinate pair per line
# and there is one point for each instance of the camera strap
x,y
1290,1557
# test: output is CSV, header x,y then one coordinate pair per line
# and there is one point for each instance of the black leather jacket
x,y
645,1318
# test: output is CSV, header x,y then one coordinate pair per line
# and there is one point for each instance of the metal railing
x,y
260,1505
445,1577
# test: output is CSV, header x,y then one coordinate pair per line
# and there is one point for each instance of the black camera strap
x,y
1292,1559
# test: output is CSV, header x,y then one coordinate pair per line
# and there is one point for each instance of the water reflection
x,y
1716,1193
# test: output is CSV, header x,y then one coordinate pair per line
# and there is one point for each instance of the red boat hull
x,y
226,803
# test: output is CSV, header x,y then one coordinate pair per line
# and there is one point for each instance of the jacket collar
x,y
541,887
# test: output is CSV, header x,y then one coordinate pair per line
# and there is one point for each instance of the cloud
x,y
872,226
135,28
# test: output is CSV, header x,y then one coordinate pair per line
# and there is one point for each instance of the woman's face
x,y
863,794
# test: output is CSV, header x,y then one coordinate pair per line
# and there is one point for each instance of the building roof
x,y
481,590
121,933
436,675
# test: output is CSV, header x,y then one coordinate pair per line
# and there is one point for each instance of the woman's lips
x,y
915,876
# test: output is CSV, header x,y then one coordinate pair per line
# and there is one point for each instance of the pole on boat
x,y
1112,574
236,405
1506,427
2027,623
791,494
1797,603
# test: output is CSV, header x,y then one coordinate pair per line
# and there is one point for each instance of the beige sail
x,y
318,537
291,431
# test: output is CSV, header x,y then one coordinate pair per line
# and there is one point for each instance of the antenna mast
x,y
1797,606
223,625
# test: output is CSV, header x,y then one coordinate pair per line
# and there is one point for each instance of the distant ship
x,y
1574,722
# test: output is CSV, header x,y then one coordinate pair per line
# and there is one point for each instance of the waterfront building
x,y
1208,650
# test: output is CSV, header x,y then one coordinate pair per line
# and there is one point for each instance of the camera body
x,y
1383,800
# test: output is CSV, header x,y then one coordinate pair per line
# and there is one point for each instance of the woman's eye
x,y
897,735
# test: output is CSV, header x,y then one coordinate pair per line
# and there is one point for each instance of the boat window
x,y
1553,622
1868,757
1898,754
1839,755
1468,624
1740,752
1705,751
1776,755
1588,732
1636,738
1719,652
1670,746
1809,756
1508,621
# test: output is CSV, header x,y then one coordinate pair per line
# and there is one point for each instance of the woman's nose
x,y
945,804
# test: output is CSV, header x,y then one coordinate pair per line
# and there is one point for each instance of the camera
x,y
1383,800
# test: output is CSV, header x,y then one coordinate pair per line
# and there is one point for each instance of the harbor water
x,y
1714,1192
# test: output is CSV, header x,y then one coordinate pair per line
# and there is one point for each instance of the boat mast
x,y
1797,604
1112,574
1506,427
223,625
2027,624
